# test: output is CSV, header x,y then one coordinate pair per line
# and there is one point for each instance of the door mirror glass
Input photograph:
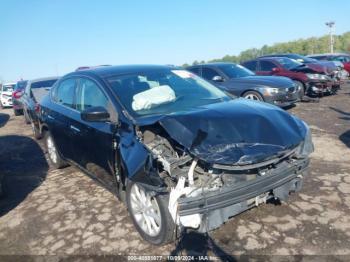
x,y
95,114
217,79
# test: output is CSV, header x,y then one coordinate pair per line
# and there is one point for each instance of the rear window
x,y
42,84
21,85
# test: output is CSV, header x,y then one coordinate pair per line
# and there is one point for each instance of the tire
x,y
252,95
17,112
301,88
163,231
53,155
36,131
26,118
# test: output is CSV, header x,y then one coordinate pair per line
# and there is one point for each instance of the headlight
x,y
306,147
317,77
270,90
314,76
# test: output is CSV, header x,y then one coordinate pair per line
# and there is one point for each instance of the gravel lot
x,y
45,211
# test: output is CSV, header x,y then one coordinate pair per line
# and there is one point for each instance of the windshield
x,y
42,84
8,88
303,59
163,92
235,71
288,63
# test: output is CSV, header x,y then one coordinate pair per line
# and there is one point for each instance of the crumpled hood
x,y
240,131
267,81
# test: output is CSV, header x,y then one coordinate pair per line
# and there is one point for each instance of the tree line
x,y
311,45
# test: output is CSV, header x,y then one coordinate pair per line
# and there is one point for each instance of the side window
x,y
27,88
90,95
209,73
64,93
347,59
251,65
266,66
195,70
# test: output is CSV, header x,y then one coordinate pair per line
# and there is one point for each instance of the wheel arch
x,y
252,90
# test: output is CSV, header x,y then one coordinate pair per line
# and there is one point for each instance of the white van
x,y
6,94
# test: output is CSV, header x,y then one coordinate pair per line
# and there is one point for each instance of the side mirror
x,y
276,70
217,79
95,114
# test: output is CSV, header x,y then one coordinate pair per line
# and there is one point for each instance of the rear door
x,y
93,143
60,115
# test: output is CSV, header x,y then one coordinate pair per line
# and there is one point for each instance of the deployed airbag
x,y
153,98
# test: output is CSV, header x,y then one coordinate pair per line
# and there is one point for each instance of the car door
x,y
93,143
265,68
60,115
26,96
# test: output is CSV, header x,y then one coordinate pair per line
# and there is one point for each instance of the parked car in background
x,y
16,97
323,67
6,94
175,148
344,58
34,91
240,81
308,80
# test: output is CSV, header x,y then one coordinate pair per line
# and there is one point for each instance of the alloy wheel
x,y
51,148
145,210
252,97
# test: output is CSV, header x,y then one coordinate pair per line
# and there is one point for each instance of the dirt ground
x,y
61,212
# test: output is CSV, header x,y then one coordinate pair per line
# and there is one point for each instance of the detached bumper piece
x,y
217,207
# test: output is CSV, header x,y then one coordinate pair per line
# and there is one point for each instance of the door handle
x,y
50,117
74,128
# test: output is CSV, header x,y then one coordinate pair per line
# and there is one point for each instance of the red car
x,y
309,80
340,57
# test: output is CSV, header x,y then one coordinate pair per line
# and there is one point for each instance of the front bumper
x,y
6,101
218,206
320,87
283,99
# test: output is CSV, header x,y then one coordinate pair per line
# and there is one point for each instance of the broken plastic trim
x,y
243,191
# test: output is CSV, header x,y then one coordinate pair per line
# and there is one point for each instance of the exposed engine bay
x,y
190,180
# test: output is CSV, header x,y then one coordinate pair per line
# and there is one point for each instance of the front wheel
x,y
26,117
252,95
53,154
150,214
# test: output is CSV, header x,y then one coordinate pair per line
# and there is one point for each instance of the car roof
x,y
271,57
330,54
44,79
213,64
107,71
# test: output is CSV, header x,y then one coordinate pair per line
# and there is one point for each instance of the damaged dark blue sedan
x,y
178,151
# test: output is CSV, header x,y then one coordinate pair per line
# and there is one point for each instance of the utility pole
x,y
331,40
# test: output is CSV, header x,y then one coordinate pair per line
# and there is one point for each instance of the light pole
x,y
331,40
